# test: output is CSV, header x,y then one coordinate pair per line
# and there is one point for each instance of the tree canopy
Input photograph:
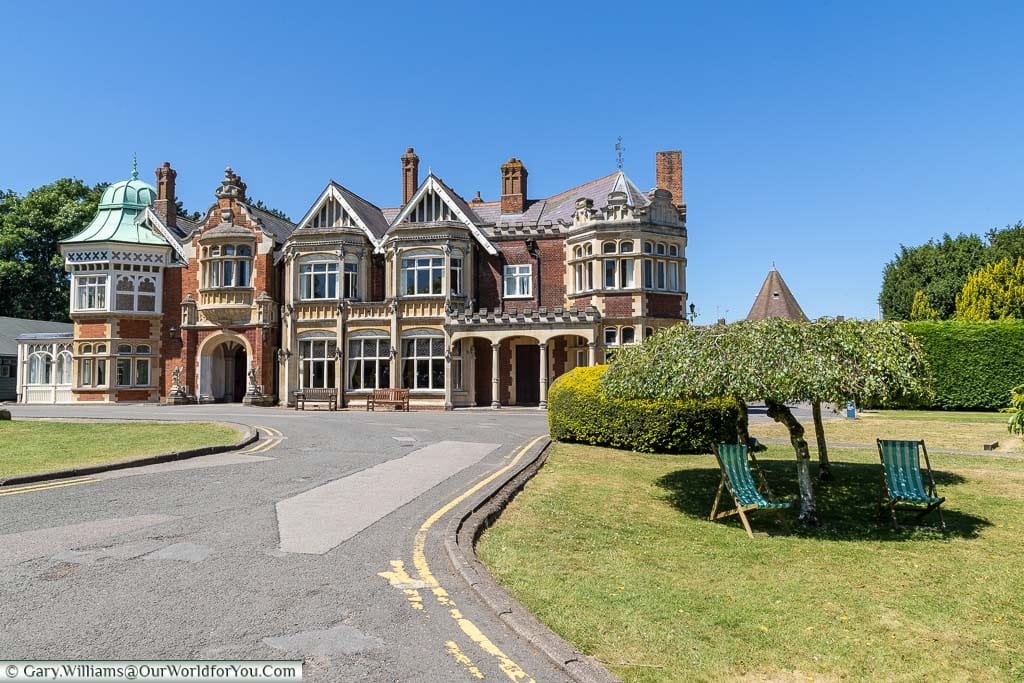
x,y
33,283
937,268
993,292
777,361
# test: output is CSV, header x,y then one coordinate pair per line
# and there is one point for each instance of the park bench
x,y
735,460
388,397
316,395
903,480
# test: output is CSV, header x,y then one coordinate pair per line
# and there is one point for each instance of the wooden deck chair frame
x,y
742,510
886,501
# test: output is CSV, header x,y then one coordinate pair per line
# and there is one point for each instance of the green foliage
x,y
994,292
774,360
938,268
579,409
922,309
974,365
179,208
1016,424
1007,242
33,283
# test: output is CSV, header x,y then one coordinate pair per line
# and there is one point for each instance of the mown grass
x,y
957,431
614,552
33,446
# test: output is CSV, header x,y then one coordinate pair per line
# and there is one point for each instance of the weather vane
x,y
619,149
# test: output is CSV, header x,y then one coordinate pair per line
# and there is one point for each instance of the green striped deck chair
x,y
903,484
735,460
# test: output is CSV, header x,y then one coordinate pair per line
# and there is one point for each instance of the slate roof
x,y
370,214
11,328
775,300
547,211
278,227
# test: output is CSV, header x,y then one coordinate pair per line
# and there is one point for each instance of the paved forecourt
x,y
319,541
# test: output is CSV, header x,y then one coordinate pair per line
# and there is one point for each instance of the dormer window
x,y
228,265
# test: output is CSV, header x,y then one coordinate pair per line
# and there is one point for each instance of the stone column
x,y
448,402
495,375
19,374
544,375
591,354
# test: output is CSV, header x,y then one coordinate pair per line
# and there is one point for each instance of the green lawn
x,y
32,446
613,551
957,431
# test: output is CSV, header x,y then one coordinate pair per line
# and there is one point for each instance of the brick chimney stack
x,y
513,186
668,167
165,204
410,175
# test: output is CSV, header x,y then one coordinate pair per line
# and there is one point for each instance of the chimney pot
x,y
165,205
513,186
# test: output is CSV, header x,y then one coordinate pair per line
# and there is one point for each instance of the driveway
x,y
301,547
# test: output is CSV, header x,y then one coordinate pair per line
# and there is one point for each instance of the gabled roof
x,y
455,203
366,215
278,227
11,328
775,300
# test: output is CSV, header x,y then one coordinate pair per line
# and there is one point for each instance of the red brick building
x,y
463,302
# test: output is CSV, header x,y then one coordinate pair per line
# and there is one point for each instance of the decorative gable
x,y
332,215
434,202
333,210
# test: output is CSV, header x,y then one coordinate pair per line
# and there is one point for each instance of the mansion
x,y
464,303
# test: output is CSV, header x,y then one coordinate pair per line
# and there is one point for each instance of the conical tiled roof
x,y
775,300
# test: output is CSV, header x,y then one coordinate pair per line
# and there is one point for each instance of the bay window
x,y
519,281
91,292
228,265
422,275
369,363
317,361
423,362
350,278
135,293
455,273
92,367
318,280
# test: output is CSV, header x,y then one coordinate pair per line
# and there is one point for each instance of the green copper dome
x,y
116,220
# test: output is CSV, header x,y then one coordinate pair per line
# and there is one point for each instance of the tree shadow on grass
x,y
848,506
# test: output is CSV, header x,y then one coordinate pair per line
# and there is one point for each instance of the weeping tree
x,y
777,361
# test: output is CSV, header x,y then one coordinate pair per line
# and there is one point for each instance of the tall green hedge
x,y
579,410
974,364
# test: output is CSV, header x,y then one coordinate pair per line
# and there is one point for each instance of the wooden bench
x,y
316,395
389,397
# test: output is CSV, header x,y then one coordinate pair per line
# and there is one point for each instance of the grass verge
x,y
31,446
613,551
956,431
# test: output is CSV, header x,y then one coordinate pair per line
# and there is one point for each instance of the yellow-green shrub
x,y
580,410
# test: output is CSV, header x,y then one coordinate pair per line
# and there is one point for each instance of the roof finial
x,y
135,167
773,265
619,149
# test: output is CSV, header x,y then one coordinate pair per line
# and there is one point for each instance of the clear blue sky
x,y
820,135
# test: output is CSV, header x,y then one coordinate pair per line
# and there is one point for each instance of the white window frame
x,y
93,290
314,353
350,278
318,270
455,271
458,383
434,359
226,268
518,281
611,336
134,293
411,267
380,360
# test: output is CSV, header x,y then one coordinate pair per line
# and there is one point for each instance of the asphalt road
x,y
302,548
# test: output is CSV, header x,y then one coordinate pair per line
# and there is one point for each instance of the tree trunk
x,y
783,415
824,467
742,431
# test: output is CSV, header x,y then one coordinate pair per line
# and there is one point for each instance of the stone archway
x,y
224,361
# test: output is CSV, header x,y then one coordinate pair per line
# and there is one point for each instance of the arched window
x,y
628,335
608,248
63,368
626,247
369,361
661,249
40,368
590,250
135,293
577,252
673,250
229,265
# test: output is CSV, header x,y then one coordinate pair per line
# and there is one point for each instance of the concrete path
x,y
290,549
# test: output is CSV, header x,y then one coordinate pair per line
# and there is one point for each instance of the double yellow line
x,y
276,436
46,486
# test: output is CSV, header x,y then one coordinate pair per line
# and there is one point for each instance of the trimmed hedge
x,y
974,364
580,410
